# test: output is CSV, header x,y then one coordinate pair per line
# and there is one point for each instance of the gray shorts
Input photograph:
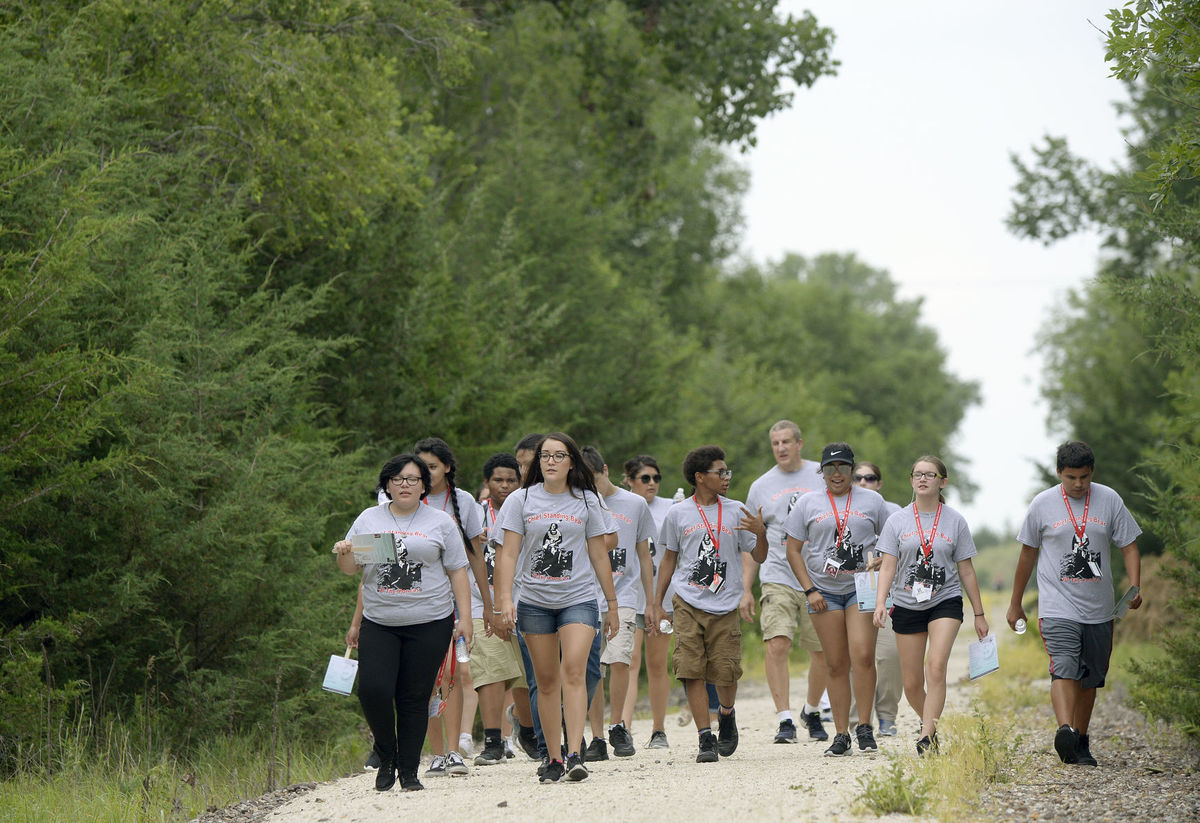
x,y
1078,651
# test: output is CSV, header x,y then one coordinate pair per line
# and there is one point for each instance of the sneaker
x,y
658,740
372,761
1083,755
466,744
541,770
621,741
437,766
1065,741
927,744
493,753
816,730
708,747
866,738
552,773
727,734
575,769
409,782
456,765
385,775
887,728
786,733
840,746
596,750
510,751
527,740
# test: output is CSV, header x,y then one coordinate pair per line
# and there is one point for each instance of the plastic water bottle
x,y
460,650
666,626
1019,626
679,495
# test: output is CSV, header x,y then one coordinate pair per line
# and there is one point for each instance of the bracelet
x,y
497,611
979,614
809,590
610,600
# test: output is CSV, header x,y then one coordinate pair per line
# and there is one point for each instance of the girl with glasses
x,y
407,617
830,532
644,477
927,550
554,550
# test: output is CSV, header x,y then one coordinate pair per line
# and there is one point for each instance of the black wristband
x,y
809,590
979,614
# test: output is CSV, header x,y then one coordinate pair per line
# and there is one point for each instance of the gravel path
x,y
1146,771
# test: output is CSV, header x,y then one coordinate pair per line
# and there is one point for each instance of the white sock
x,y
810,709
786,714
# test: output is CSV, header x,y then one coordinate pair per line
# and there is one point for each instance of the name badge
x,y
715,585
922,591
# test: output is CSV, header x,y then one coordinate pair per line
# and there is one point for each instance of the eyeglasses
x,y
406,480
925,475
724,474
553,457
865,478
830,469
649,478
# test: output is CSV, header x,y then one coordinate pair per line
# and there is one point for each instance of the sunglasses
x,y
865,478
649,478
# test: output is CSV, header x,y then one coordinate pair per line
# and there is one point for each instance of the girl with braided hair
x,y
445,495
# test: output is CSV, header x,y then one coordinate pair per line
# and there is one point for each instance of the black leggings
x,y
399,665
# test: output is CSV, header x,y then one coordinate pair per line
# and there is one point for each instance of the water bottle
x,y
679,495
460,650
1019,626
666,626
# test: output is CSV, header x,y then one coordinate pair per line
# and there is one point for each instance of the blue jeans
x,y
535,615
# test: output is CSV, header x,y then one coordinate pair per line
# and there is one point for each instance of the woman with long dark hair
x,y
545,578
407,620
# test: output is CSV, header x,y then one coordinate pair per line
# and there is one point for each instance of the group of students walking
x,y
569,572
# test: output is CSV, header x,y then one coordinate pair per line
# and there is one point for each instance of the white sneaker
x,y
455,764
466,744
437,766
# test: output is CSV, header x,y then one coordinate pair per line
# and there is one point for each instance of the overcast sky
x,y
903,159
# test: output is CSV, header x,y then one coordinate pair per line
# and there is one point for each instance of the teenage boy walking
x,y
703,539
1068,533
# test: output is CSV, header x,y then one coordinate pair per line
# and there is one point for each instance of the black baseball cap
x,y
837,453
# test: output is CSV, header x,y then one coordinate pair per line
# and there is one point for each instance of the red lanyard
x,y
1087,499
840,522
927,547
491,513
444,502
716,539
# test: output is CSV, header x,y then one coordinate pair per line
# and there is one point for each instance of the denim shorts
x,y
533,619
837,602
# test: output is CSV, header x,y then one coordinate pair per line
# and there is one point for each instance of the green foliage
x,y
1125,373
897,788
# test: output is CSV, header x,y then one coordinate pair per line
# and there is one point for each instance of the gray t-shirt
x,y
902,539
554,569
777,492
414,589
832,561
492,537
634,524
710,554
1074,576
658,510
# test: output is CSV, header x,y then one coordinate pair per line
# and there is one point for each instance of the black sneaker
x,y
927,744
621,741
372,761
409,782
1065,741
575,769
1083,755
816,729
553,772
527,740
493,753
596,750
708,747
385,776
541,770
866,737
727,733
787,732
840,747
